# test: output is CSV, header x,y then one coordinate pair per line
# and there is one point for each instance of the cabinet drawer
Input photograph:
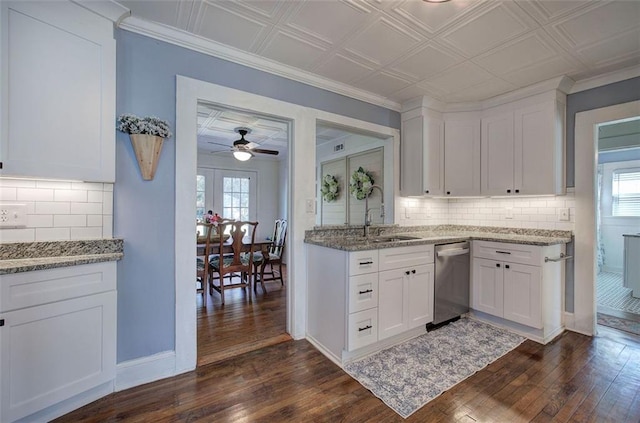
x,y
26,289
361,262
363,329
399,257
512,253
363,292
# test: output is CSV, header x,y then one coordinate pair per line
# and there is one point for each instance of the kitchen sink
x,y
394,238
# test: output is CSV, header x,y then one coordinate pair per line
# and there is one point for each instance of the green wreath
x,y
361,184
330,188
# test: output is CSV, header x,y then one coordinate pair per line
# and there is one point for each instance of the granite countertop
x,y
18,257
352,240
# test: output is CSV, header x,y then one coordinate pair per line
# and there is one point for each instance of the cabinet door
x,y
50,353
411,152
488,286
462,157
539,149
497,155
392,294
58,120
420,305
433,160
522,294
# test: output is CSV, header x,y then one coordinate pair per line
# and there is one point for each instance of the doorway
x,y
618,224
248,190
583,319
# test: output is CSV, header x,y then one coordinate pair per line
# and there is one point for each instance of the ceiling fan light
x,y
243,156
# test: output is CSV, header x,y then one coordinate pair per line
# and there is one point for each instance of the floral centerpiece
x,y
147,135
330,188
361,184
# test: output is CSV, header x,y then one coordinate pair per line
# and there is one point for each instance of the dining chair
x,y
272,256
238,261
204,236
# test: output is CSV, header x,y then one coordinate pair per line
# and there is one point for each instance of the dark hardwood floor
x,y
242,324
575,378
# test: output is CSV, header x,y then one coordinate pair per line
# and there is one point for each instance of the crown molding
x,y
108,9
203,45
606,79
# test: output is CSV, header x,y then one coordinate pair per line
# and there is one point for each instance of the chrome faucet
x,y
367,210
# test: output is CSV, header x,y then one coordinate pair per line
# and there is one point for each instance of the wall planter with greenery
x,y
147,136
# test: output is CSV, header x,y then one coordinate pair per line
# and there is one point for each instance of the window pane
x,y
244,200
244,186
626,192
200,183
227,184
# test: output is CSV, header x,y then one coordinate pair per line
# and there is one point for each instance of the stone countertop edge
x,y
18,257
632,235
43,263
356,244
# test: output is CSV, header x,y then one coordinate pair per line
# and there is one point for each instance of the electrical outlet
x,y
311,206
563,214
13,215
508,213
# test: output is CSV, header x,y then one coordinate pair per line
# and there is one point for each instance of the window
x,y
235,198
200,197
625,191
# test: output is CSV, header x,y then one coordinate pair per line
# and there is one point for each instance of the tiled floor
x,y
611,294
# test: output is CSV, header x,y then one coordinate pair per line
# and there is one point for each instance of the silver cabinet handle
x,y
453,252
562,257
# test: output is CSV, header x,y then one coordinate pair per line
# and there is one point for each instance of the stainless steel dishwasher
x,y
451,297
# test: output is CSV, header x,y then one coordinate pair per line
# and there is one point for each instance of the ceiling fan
x,y
243,150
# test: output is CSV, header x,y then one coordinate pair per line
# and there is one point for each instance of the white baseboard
x,y
67,406
324,351
144,370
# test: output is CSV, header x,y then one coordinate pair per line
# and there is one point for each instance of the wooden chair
x,y
236,262
273,256
204,233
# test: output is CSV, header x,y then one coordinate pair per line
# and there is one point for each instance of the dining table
x,y
214,246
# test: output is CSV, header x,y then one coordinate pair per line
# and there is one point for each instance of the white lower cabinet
x,y
405,299
52,351
358,299
508,290
521,287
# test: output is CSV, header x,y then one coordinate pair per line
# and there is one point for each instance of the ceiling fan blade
x,y
218,143
252,145
262,151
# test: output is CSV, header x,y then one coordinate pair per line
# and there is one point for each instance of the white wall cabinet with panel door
x,y
422,154
513,285
461,154
57,340
523,147
58,92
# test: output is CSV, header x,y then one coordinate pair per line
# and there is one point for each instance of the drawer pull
x,y
561,258
1,322
413,271
365,328
366,291
362,263
502,252
407,272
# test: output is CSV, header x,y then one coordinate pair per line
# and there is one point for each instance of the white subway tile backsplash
x,y
52,207
94,196
59,210
53,184
69,221
53,234
70,195
86,233
17,235
34,194
39,220
94,220
86,208
8,194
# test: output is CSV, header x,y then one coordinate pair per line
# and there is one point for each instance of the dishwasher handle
x,y
452,252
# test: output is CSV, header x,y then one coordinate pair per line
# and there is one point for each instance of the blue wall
x,y
595,98
144,210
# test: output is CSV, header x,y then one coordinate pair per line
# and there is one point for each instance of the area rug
x,y
619,323
409,375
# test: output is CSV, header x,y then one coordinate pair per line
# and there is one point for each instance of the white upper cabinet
x,y
461,156
58,92
422,156
523,149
